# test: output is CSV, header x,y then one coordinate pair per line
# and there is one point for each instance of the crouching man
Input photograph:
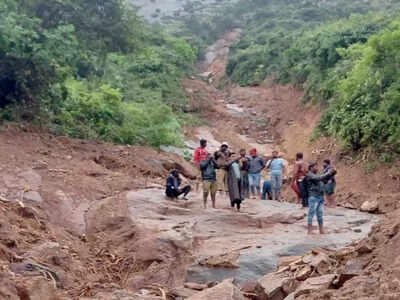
x,y
172,187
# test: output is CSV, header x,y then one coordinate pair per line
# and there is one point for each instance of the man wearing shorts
x,y
209,176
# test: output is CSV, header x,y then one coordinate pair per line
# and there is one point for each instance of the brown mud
x,y
88,220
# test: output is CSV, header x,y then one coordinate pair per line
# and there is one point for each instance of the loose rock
x,y
371,206
314,284
223,291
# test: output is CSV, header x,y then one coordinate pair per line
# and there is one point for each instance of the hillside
x,y
94,110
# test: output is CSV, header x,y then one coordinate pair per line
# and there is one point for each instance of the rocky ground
x,y
88,220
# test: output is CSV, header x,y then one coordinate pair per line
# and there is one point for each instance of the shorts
x,y
329,188
210,187
222,179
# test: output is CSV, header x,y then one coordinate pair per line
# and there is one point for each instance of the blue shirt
x,y
276,166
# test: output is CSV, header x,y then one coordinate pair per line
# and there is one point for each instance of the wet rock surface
x,y
245,245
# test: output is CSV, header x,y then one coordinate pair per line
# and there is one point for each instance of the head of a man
x,y
224,147
313,167
275,154
299,156
253,152
327,163
203,143
174,172
242,152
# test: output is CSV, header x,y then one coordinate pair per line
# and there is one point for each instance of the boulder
x,y
322,263
253,290
364,249
226,290
276,286
225,260
185,168
315,284
32,197
371,206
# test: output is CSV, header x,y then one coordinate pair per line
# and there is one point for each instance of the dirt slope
x,y
74,224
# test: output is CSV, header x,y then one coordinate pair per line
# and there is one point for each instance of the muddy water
x,y
265,230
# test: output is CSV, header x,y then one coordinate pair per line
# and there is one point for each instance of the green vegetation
x,y
344,54
91,69
366,108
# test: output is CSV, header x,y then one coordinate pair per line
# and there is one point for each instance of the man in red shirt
x,y
200,153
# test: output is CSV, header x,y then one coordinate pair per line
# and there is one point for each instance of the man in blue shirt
x,y
276,166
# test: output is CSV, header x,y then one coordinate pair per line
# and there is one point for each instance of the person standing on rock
x,y
244,170
209,176
299,174
256,165
234,182
222,158
315,188
277,167
330,184
172,187
200,153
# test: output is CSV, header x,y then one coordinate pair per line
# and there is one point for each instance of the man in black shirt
x,y
172,188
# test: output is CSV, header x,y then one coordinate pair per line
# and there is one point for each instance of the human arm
x,y
196,158
262,163
323,177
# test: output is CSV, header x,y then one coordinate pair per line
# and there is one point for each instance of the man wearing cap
x,y
256,165
222,158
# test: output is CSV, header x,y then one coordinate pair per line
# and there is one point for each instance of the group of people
x,y
239,176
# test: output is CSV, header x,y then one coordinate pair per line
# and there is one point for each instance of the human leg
x,y
312,209
251,185
303,192
330,193
279,186
220,179
186,190
213,191
320,215
264,191
257,182
206,190
276,182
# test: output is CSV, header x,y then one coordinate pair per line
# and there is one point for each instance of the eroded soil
x,y
88,220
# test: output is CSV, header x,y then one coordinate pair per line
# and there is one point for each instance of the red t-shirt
x,y
199,155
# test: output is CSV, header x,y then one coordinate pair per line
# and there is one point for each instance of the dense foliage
x,y
343,53
366,107
91,69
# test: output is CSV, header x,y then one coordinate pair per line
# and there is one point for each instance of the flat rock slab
x,y
263,232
